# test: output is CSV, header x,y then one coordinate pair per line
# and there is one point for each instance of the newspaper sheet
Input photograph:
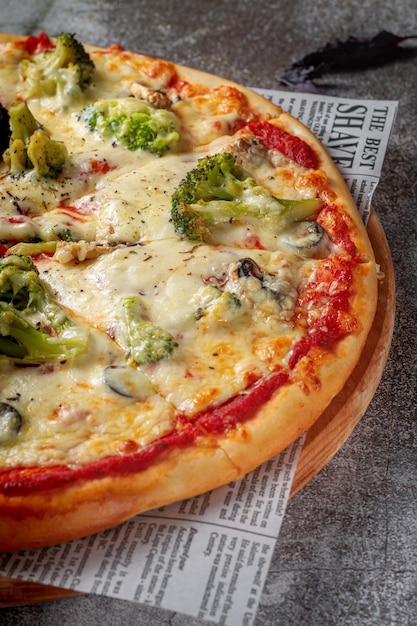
x,y
355,133
208,557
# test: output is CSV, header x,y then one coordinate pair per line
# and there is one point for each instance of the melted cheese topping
x,y
116,206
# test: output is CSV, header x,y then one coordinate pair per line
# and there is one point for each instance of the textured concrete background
x,y
347,552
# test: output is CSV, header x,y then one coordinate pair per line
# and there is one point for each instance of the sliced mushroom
x,y
269,293
156,98
127,382
68,251
249,152
10,423
308,238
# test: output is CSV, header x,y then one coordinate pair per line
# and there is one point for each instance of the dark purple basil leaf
x,y
352,54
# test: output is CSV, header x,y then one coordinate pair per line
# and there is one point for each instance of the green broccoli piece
x,y
30,147
146,342
133,123
64,71
219,191
33,328
218,306
46,155
32,248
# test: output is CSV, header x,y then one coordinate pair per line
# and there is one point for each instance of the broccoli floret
x,y
46,155
217,306
30,147
219,191
133,123
33,327
65,71
146,342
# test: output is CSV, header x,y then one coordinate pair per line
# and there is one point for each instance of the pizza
x,y
185,285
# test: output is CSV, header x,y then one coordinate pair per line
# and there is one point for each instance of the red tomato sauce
x,y
37,44
214,421
274,138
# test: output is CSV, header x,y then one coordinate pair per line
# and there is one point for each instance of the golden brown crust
x,y
47,517
54,516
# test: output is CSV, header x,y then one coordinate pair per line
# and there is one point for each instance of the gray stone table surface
x,y
347,551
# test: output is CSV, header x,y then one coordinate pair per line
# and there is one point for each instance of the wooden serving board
x,y
324,438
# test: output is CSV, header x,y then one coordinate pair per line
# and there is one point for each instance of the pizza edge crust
x,y
53,516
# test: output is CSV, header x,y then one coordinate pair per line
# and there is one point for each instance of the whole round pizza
x,y
185,285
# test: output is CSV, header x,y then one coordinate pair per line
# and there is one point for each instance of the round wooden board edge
x,y
323,439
